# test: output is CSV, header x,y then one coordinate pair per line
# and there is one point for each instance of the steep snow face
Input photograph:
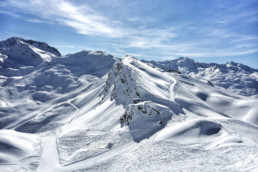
x,y
43,46
235,77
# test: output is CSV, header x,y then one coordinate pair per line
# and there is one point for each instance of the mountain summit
x,y
16,52
40,45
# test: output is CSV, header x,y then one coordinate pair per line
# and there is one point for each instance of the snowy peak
x,y
40,45
187,64
185,60
233,76
11,42
240,67
17,52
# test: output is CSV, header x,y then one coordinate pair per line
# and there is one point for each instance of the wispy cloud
x,y
35,20
245,38
142,35
83,19
16,15
87,21
10,13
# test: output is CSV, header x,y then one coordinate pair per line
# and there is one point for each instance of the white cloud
x,y
83,19
87,21
156,40
245,38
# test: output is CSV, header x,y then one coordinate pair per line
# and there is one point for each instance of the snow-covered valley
x,y
90,111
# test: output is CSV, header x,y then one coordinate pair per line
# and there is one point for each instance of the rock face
x,y
235,77
145,119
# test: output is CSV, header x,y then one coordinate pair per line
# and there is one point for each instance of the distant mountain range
x,y
235,77
90,111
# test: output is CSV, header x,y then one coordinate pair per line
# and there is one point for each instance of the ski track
x,y
171,89
49,159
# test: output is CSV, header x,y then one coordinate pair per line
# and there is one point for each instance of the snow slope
x,y
92,112
232,76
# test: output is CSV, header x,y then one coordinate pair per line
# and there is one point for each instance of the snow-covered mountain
x,y
90,111
17,52
235,77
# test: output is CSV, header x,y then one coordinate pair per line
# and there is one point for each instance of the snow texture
x,y
90,111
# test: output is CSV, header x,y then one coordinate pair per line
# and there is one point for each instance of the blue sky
x,y
207,31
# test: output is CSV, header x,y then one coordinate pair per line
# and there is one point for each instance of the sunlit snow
x,y
90,111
